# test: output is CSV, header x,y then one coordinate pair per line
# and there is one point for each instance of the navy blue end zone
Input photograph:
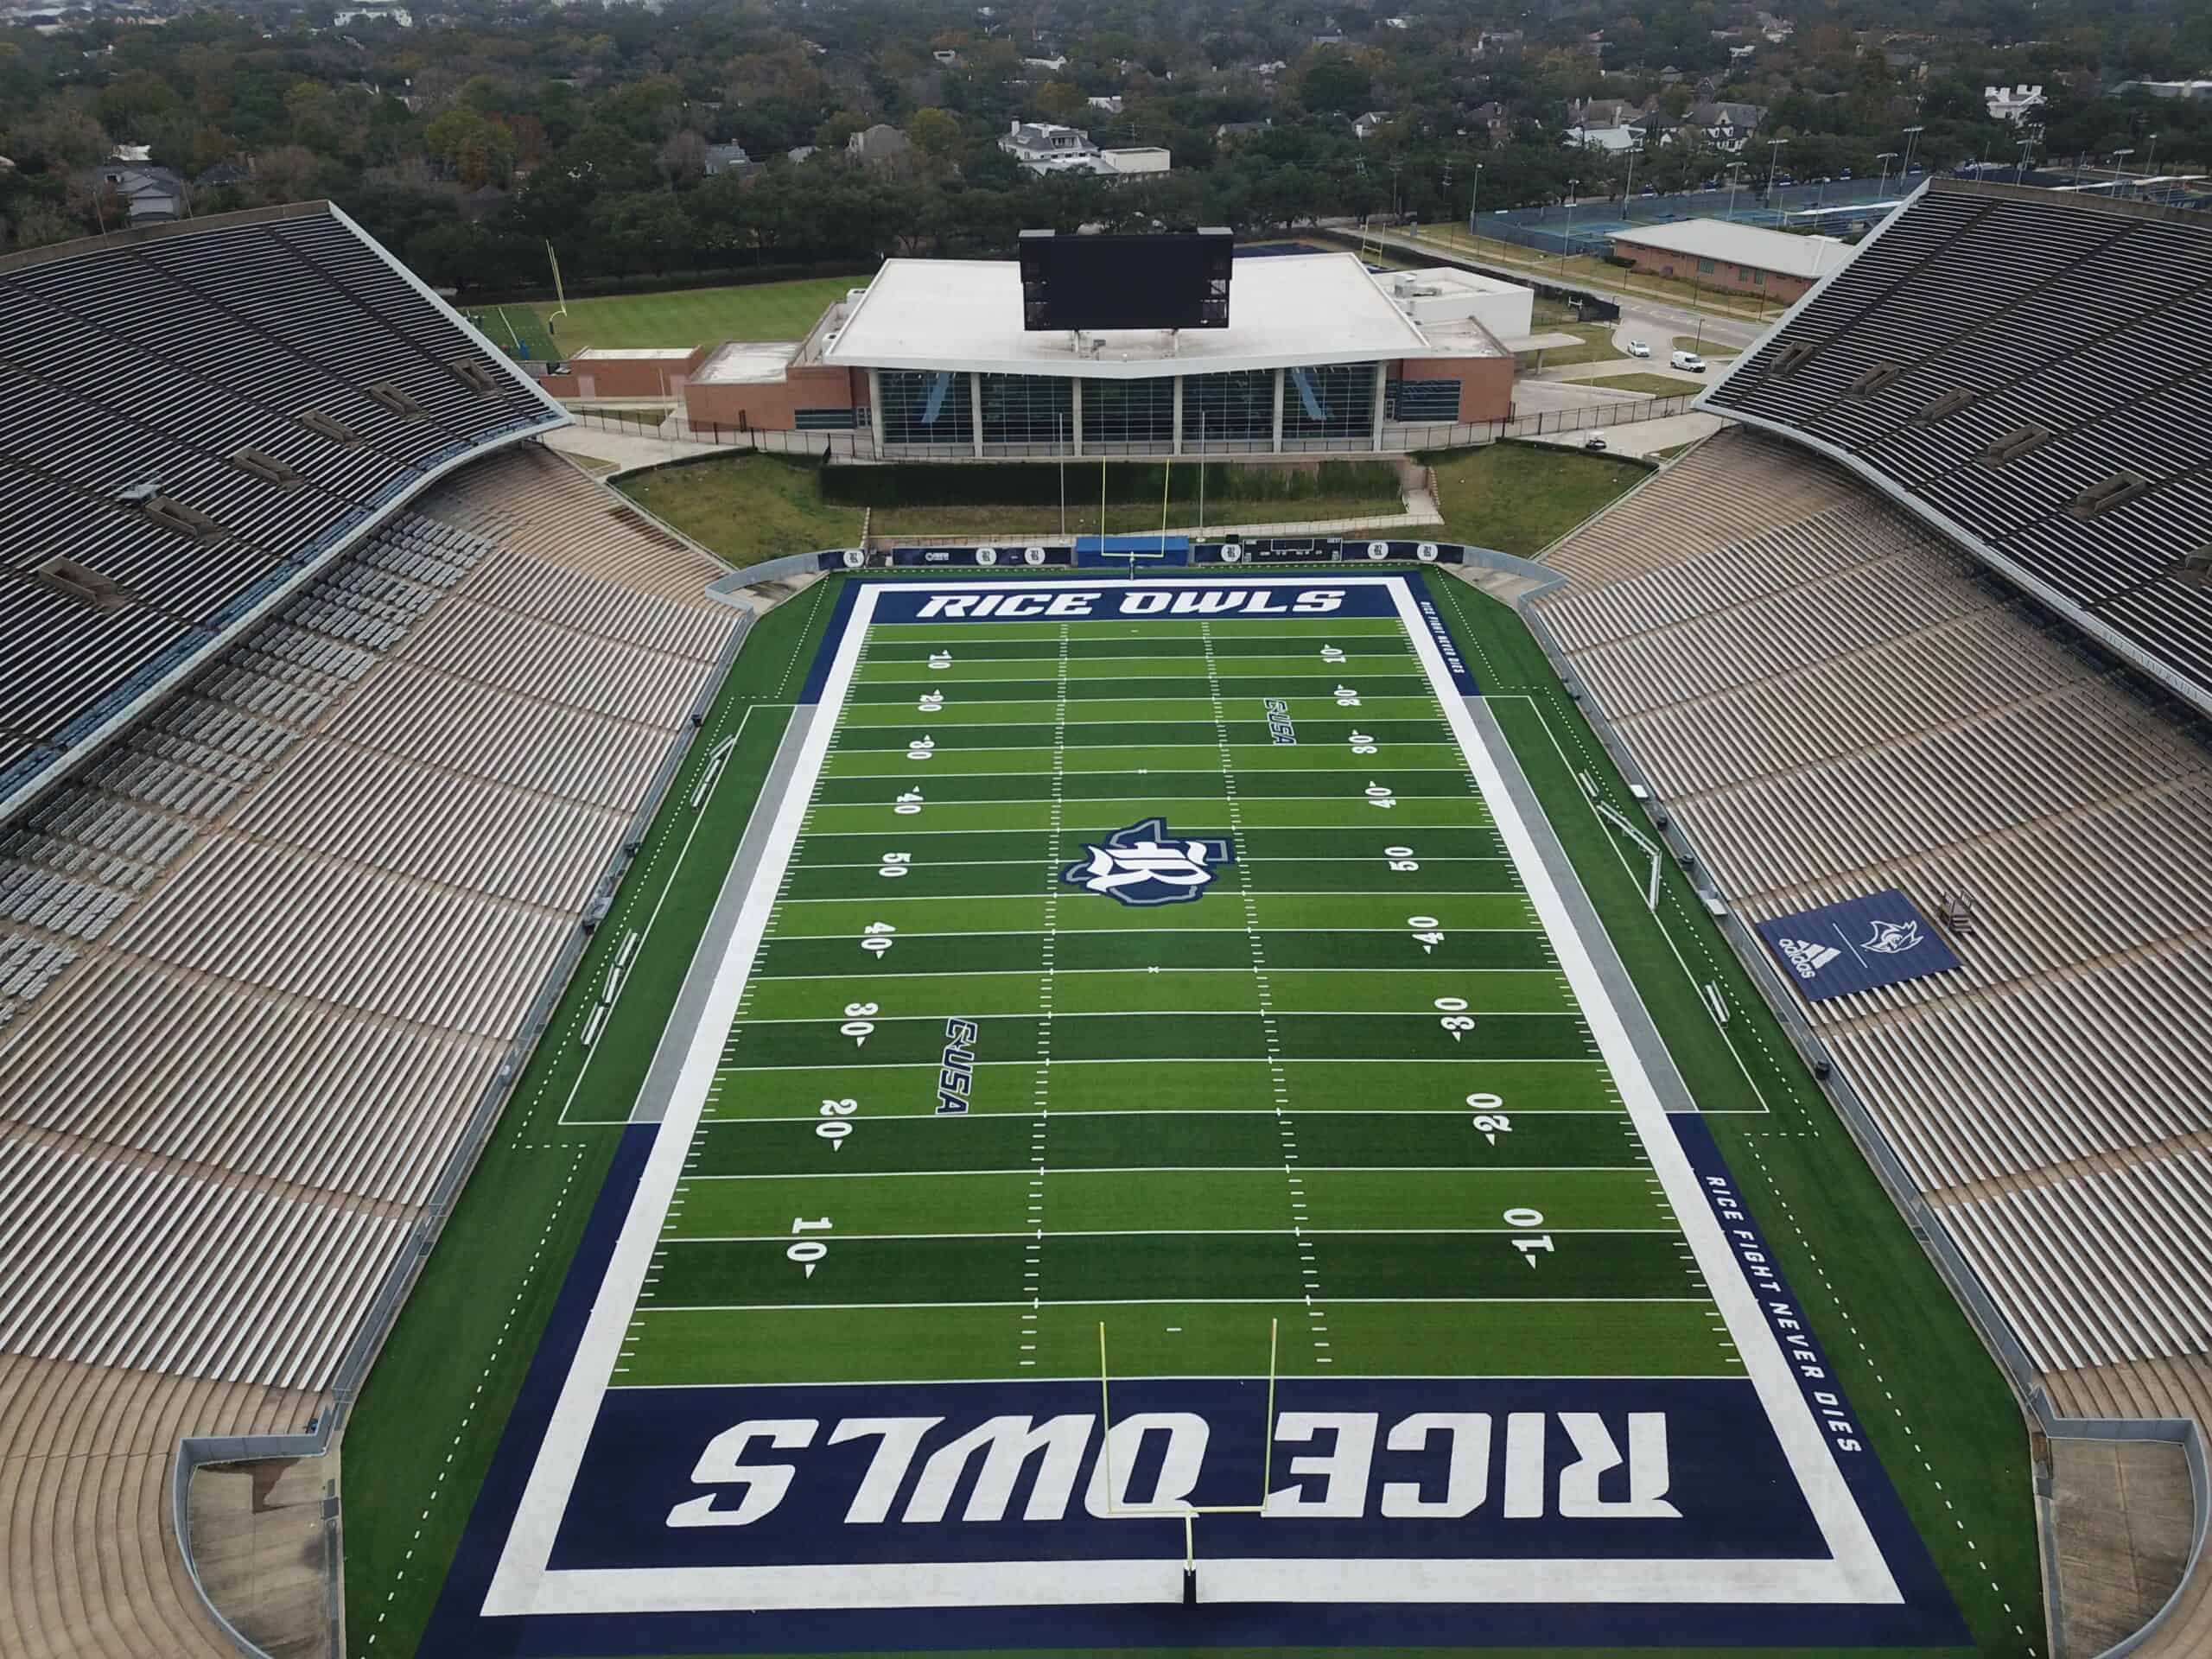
x,y
1734,1496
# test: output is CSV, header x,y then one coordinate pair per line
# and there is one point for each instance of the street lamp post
x,y
2151,166
1773,165
1911,143
2120,172
1881,186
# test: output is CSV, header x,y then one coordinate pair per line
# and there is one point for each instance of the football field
x,y
1158,1131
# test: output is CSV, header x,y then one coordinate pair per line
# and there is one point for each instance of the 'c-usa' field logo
x,y
1143,865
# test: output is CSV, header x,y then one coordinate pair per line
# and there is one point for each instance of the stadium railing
x,y
197,1452
1398,436
1859,1121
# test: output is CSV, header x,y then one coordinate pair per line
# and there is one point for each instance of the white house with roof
x,y
2012,104
1046,148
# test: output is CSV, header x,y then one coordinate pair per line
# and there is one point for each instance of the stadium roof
x,y
965,314
194,418
2028,372
1742,244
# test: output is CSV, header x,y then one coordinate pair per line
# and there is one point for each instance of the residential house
x,y
1613,141
1670,76
1603,112
1232,129
149,194
223,174
1044,148
2185,89
1368,123
1493,118
1050,66
801,153
2012,104
724,158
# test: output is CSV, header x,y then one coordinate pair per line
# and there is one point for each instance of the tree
x,y
934,132
1334,82
1061,101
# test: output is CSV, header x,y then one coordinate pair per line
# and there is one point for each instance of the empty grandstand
x,y
1830,700
192,417
252,983
2031,373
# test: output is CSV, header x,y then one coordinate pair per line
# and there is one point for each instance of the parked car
x,y
1689,362
1637,348
1595,440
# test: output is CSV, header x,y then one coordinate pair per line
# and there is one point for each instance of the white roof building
x,y
2011,103
1728,243
965,315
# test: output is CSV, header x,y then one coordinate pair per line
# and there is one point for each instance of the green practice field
x,y
1346,1087
698,316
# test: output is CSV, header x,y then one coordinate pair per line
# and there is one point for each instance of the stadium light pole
x,y
2020,169
1573,186
1882,185
2151,166
1773,165
1911,143
1474,194
2118,172
1735,177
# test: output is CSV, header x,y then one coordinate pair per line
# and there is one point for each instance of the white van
x,y
1689,360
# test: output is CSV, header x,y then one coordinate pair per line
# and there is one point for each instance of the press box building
x,y
931,359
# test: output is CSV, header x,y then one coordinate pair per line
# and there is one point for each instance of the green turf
x,y
747,508
1519,497
1164,1161
699,316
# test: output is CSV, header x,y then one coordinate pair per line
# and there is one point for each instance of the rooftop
x,y
966,315
1743,244
746,360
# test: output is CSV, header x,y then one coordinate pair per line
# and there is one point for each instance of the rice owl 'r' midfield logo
x,y
1144,865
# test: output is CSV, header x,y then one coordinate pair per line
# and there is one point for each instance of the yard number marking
x,y
857,1025
1529,1247
1489,1122
808,1252
1430,937
834,1129
1455,1019
1401,858
1380,795
931,702
876,938
895,865
920,748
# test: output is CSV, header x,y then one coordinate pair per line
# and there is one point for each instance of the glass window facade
x,y
1230,412
1422,400
921,406
1332,404
1027,409
1129,414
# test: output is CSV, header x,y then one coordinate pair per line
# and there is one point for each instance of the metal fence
x,y
1397,436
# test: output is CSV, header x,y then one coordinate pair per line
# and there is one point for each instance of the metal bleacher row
x,y
1832,701
191,417
2037,368
253,978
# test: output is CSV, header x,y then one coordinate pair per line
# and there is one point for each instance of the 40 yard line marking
x,y
1033,1253
1316,1317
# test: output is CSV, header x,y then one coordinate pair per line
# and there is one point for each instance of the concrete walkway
x,y
1641,438
629,450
